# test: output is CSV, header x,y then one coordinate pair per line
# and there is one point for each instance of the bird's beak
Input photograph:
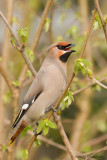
x,y
68,48
72,45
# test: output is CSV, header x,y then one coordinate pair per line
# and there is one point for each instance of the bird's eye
x,y
61,47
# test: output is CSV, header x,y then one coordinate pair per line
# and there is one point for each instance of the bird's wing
x,y
33,93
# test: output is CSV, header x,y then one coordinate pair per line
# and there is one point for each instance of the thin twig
x,y
101,17
64,136
49,141
29,64
88,33
98,151
31,142
99,83
84,155
9,27
43,18
89,85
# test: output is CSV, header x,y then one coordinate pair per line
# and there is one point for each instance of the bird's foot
x,y
34,131
51,107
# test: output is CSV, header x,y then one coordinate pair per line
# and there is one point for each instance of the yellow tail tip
x,y
10,142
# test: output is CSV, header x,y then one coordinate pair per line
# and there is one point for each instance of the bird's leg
x,y
51,107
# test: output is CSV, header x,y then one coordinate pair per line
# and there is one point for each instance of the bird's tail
x,y
18,131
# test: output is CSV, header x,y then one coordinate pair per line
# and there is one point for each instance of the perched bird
x,y
46,87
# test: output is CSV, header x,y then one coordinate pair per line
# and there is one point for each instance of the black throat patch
x,y
65,57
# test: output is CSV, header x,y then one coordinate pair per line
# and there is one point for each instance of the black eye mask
x,y
63,47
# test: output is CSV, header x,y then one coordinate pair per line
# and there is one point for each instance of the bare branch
x,y
89,85
31,142
64,136
97,151
29,64
99,83
101,17
39,31
88,33
9,27
49,141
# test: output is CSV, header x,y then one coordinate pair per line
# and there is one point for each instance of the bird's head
x,y
61,50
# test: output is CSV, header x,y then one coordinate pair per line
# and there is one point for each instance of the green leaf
x,y
29,74
70,95
45,130
13,41
47,24
76,67
50,124
67,100
97,22
95,25
83,66
44,126
23,133
40,126
23,33
30,55
24,155
89,72
85,62
16,83
37,142
4,147
62,105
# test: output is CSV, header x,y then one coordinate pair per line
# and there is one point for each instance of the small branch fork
x,y
20,48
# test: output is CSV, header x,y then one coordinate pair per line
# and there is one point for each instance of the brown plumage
x,y
46,87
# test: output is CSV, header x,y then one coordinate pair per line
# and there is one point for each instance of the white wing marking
x,y
25,106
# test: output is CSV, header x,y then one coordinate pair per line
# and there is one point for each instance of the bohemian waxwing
x,y
46,87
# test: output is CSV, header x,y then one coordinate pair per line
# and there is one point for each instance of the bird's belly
x,y
45,100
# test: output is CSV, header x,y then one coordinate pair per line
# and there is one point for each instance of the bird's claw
x,y
51,107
